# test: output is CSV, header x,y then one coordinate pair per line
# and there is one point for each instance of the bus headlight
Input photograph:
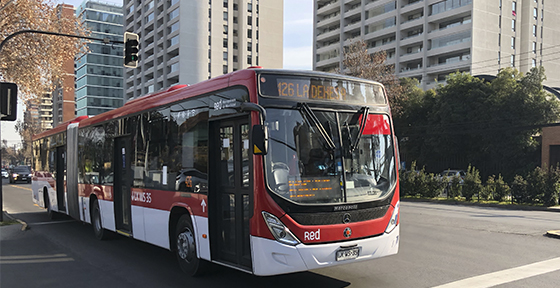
x,y
394,219
280,232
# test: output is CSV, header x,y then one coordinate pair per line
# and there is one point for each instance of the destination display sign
x,y
321,89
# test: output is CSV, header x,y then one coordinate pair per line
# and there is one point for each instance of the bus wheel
x,y
100,233
50,212
186,248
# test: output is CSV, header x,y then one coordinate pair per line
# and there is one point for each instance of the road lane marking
x,y
506,276
24,188
34,259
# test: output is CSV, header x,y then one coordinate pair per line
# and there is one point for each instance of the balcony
x,y
330,7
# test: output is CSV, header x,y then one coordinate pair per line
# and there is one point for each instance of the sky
x,y
298,41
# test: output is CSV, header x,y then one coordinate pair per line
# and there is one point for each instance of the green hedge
x,y
540,186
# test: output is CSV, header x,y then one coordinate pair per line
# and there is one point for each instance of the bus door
x,y
121,186
60,177
230,192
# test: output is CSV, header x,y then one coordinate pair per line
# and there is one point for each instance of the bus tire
x,y
50,212
98,230
185,248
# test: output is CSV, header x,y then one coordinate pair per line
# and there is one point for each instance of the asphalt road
x,y
440,244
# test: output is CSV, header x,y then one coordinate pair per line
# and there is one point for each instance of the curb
x,y
24,225
506,207
553,233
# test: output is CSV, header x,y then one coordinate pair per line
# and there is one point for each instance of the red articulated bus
x,y
265,171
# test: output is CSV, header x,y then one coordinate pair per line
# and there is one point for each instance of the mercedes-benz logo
x,y
346,218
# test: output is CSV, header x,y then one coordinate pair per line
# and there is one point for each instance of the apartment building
x,y
63,98
99,73
428,39
185,42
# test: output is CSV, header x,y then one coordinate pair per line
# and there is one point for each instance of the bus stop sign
x,y
8,101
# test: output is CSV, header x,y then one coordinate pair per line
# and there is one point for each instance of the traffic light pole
x,y
104,40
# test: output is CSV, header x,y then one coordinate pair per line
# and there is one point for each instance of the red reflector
x,y
254,67
179,86
377,125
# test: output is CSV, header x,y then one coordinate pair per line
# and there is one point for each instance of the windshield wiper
x,y
365,114
312,118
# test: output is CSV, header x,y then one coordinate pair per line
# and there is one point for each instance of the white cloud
x,y
298,57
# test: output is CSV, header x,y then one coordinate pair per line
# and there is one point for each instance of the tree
x,y
35,61
358,62
489,125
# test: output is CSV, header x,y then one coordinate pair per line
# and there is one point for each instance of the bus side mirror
x,y
260,140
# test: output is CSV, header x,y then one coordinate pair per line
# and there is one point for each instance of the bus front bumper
x,y
271,257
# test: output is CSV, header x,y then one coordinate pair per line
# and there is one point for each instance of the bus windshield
x,y
309,149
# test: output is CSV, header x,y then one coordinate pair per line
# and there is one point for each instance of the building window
x,y
150,17
249,20
249,33
512,42
513,8
249,46
235,6
249,60
225,43
225,69
535,30
512,60
225,57
534,62
173,14
513,25
174,40
249,7
225,29
535,47
235,58
235,19
235,45
535,13
225,16
225,3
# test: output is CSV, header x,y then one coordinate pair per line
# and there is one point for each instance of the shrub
x,y
552,187
536,185
519,190
472,184
454,187
489,190
501,189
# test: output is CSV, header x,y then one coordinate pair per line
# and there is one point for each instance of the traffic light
x,y
130,50
8,101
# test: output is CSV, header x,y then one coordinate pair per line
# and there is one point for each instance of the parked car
x,y
20,173
4,173
449,174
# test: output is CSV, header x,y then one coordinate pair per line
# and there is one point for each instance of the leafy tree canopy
x,y
35,61
489,125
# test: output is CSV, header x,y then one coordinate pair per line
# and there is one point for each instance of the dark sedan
x,y
20,173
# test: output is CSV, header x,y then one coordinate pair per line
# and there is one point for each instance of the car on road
x,y
20,173
4,173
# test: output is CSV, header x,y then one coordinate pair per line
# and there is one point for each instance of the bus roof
x,y
179,92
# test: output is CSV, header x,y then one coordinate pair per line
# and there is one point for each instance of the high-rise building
x,y
99,73
428,39
63,100
193,40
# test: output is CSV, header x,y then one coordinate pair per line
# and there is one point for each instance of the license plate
x,y
347,254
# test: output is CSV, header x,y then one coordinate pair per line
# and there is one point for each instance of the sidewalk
x,y
501,206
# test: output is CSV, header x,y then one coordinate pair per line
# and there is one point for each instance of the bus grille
x,y
328,218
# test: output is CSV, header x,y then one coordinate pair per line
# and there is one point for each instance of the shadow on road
x,y
126,262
